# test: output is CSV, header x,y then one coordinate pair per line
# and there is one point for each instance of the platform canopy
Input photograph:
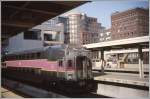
x,y
18,16
120,44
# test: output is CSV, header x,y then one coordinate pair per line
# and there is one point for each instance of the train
x,y
61,67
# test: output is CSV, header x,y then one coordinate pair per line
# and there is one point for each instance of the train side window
x,y
28,56
22,56
15,57
70,63
38,55
12,57
60,63
32,55
19,57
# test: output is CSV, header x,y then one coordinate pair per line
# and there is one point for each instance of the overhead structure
x,y
137,42
18,16
119,44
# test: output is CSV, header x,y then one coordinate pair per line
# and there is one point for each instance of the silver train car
x,y
63,66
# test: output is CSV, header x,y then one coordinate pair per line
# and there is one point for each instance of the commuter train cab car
x,y
63,67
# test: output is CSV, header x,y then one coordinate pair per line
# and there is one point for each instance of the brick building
x,y
130,23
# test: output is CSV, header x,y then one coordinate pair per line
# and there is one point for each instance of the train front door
x,y
81,65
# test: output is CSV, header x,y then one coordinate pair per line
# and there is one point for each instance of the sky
x,y
102,9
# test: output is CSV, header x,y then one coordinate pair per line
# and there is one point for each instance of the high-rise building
x,y
83,29
130,23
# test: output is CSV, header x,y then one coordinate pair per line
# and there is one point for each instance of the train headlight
x,y
70,76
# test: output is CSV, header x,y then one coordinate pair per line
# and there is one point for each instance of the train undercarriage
x,y
52,84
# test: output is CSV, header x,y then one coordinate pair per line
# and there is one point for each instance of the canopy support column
x,y
141,72
102,61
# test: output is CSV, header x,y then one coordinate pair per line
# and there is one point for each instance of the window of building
x,y
132,33
128,34
33,34
101,34
48,37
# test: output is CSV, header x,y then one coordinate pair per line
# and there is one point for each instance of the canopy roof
x,y
18,16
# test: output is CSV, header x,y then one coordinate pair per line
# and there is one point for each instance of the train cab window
x,y
60,63
70,63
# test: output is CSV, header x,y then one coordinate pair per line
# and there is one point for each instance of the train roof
x,y
55,47
36,50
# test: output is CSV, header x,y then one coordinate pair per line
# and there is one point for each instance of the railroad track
x,y
20,94
77,95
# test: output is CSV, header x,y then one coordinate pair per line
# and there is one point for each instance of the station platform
x,y
123,78
130,70
127,69
5,93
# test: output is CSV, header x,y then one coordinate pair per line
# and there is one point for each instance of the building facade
x,y
130,23
54,31
83,29
25,41
51,32
105,35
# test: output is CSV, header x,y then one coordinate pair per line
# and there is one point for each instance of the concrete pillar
x,y
141,72
102,60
